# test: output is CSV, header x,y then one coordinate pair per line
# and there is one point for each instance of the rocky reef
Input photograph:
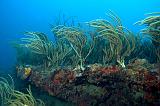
x,y
97,63
137,84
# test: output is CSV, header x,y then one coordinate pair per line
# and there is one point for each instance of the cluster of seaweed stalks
x,y
105,42
153,26
152,30
11,97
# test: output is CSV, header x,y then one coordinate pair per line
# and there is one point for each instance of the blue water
x,y
17,16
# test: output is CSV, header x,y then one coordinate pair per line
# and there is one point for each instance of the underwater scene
x,y
80,53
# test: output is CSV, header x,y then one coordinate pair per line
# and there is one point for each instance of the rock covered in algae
x,y
103,85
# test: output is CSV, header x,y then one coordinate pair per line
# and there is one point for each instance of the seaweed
x,y
78,40
38,43
11,97
121,40
152,23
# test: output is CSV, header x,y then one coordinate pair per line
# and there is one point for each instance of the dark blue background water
x,y
17,16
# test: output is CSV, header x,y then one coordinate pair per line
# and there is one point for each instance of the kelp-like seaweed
x,y
51,54
110,43
121,40
6,90
152,29
38,43
22,99
153,26
59,52
78,41
11,97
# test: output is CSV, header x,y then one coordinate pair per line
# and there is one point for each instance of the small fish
x,y
24,72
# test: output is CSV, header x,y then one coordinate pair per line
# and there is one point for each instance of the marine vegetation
x,y
11,97
153,26
100,62
152,23
121,41
78,40
53,53
105,42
